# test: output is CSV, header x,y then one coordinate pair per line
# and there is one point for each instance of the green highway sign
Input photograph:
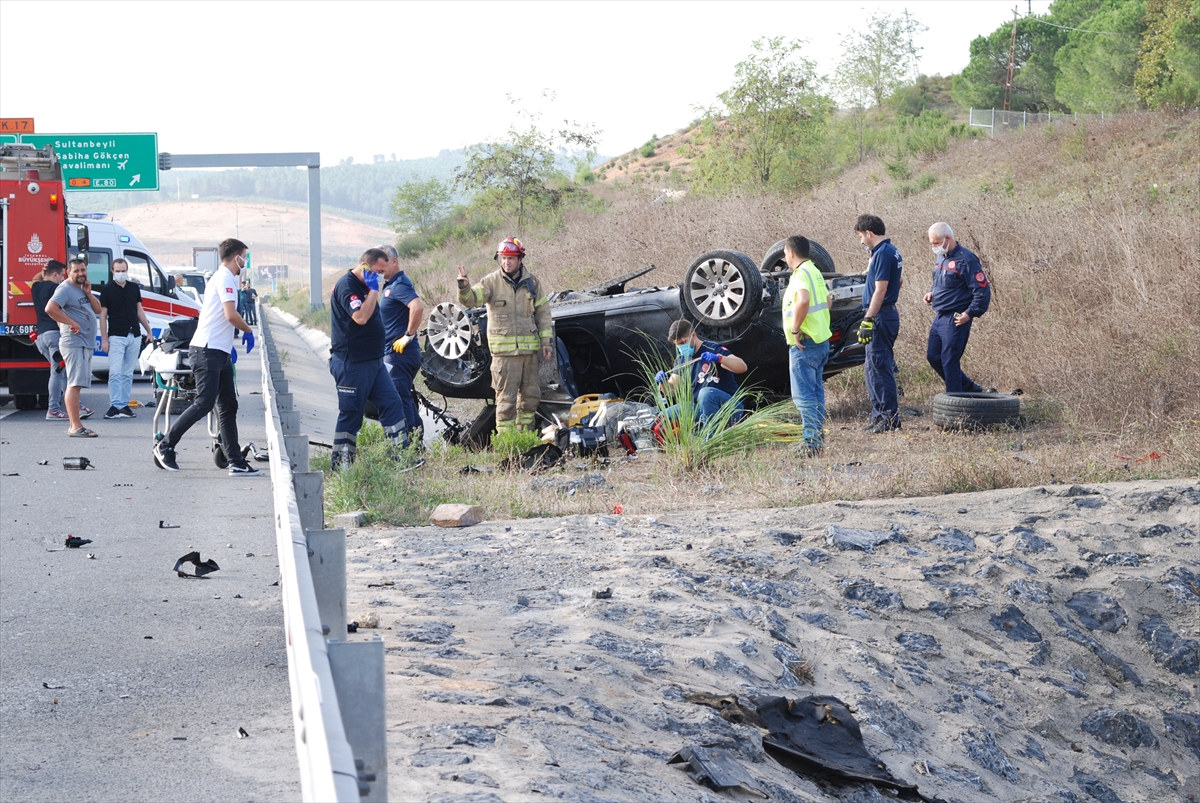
x,y
9,139
103,162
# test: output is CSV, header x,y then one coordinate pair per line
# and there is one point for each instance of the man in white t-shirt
x,y
211,357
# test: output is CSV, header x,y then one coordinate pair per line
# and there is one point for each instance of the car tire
x,y
479,435
722,289
773,261
976,410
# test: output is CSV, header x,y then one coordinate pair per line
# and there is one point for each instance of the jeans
x,y
947,343
708,401
402,368
808,388
122,359
47,344
213,370
358,382
880,368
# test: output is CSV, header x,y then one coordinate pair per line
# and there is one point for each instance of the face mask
x,y
685,351
120,277
939,251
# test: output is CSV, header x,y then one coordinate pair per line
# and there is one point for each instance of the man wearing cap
x,y
356,360
402,311
519,326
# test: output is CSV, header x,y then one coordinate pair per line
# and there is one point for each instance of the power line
x,y
1081,30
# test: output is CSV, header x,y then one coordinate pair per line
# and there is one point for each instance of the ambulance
x,y
35,227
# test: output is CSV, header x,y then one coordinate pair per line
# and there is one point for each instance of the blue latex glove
x,y
248,339
371,280
660,377
233,355
710,357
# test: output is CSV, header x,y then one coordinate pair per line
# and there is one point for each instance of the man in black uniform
x,y
356,359
959,294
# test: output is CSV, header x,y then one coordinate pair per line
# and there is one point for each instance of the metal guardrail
x,y
337,688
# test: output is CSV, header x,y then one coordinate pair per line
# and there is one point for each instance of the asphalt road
x,y
119,680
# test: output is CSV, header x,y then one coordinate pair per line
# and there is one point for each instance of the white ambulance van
x,y
108,241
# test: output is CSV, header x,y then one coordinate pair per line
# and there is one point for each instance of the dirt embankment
x,y
1017,645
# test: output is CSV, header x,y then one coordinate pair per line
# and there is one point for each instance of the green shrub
x,y
513,442
898,168
648,149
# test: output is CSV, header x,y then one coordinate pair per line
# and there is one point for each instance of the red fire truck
x,y
33,230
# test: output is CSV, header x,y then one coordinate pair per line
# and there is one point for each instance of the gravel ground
x,y
1017,645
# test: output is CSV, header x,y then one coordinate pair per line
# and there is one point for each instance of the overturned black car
x,y
605,333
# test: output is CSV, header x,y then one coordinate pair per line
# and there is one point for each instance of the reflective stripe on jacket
x,y
816,323
518,312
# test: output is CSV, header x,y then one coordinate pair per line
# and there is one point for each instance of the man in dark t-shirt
x,y
881,323
121,321
356,359
709,368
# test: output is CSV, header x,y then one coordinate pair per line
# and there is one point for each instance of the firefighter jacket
x,y
518,312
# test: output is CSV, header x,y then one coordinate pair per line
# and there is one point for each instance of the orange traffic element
x,y
79,182
16,125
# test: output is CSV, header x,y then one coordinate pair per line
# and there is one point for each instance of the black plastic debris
x,y
729,707
714,768
13,474
241,733
605,594
818,735
251,449
46,685
352,627
202,567
73,542
162,525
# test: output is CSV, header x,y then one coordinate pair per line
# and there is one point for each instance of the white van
x,y
108,241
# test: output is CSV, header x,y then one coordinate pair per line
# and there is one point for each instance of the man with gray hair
x,y
960,294
402,311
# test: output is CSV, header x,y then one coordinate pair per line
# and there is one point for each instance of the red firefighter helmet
x,y
510,247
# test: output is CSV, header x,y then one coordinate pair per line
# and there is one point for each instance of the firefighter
x,y
959,295
518,327
356,361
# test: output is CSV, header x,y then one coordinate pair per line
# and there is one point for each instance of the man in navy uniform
x,y
960,294
402,311
356,359
881,322
709,368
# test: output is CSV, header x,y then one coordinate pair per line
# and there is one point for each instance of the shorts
x,y
79,366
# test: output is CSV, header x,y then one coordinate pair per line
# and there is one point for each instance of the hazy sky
x,y
357,79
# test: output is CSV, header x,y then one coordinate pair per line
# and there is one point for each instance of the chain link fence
x,y
998,121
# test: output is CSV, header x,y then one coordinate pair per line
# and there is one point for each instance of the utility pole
x,y
1012,50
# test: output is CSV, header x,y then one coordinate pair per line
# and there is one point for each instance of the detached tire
x,y
219,458
976,410
723,289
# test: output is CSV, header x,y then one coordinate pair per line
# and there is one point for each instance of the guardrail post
x,y
283,400
310,502
327,561
289,420
297,451
358,677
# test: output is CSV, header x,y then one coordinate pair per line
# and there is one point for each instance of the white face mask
x,y
120,277
940,251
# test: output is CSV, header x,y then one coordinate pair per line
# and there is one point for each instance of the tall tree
x,y
774,103
417,205
518,174
879,57
1097,63
1168,74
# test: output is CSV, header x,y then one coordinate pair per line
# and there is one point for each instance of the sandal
x,y
83,432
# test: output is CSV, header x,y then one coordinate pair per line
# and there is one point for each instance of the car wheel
x,y
773,261
723,288
976,410
449,331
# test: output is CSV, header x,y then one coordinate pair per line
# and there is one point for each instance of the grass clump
x,y
513,442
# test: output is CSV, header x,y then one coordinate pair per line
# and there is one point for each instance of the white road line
x,y
6,413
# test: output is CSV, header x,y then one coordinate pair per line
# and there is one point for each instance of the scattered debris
x,y
715,768
46,685
241,733
605,594
202,567
74,543
43,462
162,525
77,463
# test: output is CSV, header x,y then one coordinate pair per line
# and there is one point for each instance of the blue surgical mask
x,y
685,351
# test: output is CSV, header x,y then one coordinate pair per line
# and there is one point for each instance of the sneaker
x,y
164,456
882,425
125,412
57,415
244,470
85,412
113,412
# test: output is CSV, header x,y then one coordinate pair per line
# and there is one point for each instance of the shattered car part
x,y
202,567
715,768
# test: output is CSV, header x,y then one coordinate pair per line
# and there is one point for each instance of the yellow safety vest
x,y
816,323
